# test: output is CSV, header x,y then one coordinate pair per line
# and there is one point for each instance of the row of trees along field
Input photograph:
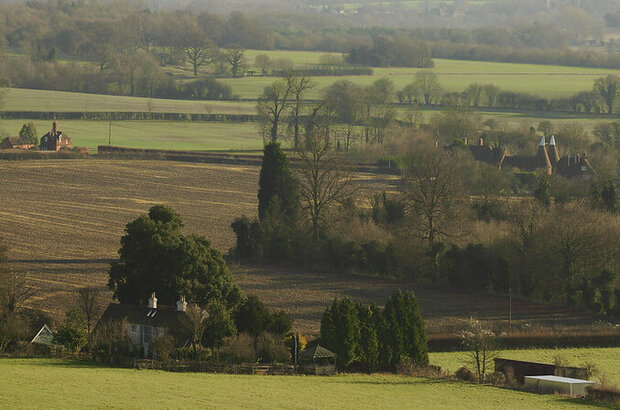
x,y
455,222
352,117
155,256
427,90
96,32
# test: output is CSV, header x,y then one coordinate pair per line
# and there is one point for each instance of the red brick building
x,y
15,143
55,140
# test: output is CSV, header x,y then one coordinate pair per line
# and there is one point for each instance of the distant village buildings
x,y
547,159
55,140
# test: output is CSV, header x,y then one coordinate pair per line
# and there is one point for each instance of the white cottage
x,y
144,323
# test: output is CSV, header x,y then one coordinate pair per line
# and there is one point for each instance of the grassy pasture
x,y
545,80
63,220
35,383
21,99
607,360
196,136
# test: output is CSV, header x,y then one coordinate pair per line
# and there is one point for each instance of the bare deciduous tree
x,y
481,344
197,49
427,85
91,304
433,196
271,104
298,84
235,56
324,181
263,62
15,286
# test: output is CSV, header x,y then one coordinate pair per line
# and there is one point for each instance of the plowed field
x,y
63,220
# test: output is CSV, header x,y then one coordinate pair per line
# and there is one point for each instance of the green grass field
x,y
454,75
194,136
37,383
19,99
607,360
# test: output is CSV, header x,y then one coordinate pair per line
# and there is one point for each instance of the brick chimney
x,y
481,141
153,301
54,128
181,304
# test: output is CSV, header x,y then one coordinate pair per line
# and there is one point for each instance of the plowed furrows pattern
x,y
63,219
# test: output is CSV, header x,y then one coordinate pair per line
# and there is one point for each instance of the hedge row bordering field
x,y
448,343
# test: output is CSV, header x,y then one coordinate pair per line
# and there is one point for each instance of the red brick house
x,y
15,143
547,159
55,140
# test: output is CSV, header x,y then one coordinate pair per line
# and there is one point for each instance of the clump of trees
x,y
369,337
388,51
156,257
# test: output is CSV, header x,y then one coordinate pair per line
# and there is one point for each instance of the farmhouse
x,y
15,143
547,159
55,140
144,323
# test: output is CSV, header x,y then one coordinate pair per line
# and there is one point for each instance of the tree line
x,y
453,223
97,32
427,90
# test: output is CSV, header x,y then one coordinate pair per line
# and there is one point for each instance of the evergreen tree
x,y
413,330
406,334
542,192
609,196
369,342
156,257
277,192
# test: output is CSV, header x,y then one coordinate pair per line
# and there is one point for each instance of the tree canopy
x,y
156,257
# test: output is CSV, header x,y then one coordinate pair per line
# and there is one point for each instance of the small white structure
x,y
45,336
557,384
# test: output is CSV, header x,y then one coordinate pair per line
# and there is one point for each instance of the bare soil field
x,y
63,220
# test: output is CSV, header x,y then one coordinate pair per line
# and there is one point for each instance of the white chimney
x,y
153,301
181,304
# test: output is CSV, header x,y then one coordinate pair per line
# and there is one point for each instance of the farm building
x,y
15,143
550,384
144,323
55,140
547,159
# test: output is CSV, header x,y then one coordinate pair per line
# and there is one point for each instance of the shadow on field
x,y
63,261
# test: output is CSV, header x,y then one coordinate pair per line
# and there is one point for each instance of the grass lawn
x,y
36,383
607,360
199,136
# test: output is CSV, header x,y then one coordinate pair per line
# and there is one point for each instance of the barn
x,y
15,143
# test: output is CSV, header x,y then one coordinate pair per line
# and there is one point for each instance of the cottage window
x,y
147,334
134,328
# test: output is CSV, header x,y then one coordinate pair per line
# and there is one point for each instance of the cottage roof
x,y
317,352
164,316
17,141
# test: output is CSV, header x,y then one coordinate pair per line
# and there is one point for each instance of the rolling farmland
x,y
63,220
